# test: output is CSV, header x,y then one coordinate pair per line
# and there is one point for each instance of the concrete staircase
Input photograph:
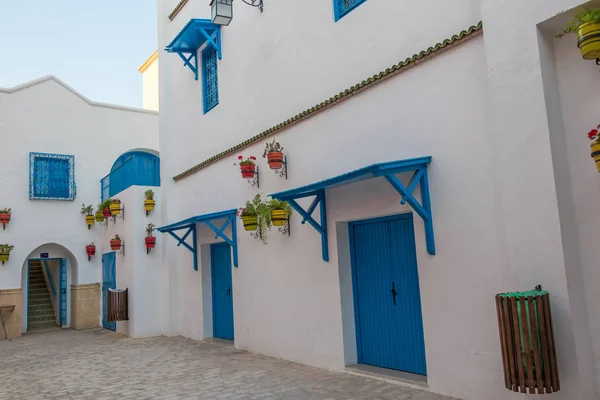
x,y
40,312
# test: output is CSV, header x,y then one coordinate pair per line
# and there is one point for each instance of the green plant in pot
x,y
88,211
150,240
5,250
149,202
256,215
115,207
5,214
98,215
586,24
280,212
105,208
274,154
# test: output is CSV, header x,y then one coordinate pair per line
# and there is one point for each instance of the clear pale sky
x,y
94,46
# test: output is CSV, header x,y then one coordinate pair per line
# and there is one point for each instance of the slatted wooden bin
x,y
117,305
527,342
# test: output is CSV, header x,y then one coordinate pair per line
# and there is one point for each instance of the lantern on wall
x,y
222,11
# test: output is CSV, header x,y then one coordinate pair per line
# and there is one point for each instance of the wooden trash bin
x,y
117,305
527,342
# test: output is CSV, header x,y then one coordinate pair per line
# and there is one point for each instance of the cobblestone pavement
x,y
104,365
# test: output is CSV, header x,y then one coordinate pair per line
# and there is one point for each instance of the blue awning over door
x,y
388,170
189,226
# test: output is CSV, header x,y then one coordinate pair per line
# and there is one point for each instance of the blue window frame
x,y
51,177
343,7
210,80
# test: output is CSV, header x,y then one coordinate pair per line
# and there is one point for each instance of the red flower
x,y
592,134
240,157
252,158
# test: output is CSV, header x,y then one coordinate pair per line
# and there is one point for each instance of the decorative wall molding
x,y
463,36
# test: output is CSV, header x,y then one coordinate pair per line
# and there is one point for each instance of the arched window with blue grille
x,y
137,168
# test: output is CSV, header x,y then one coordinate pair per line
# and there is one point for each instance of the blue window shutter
x,y
51,177
210,80
343,7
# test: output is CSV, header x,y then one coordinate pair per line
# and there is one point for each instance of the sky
x,y
96,47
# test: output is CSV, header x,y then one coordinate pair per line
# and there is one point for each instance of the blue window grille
x,y
133,168
343,7
210,80
51,177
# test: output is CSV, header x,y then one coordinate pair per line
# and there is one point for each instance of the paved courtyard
x,y
104,365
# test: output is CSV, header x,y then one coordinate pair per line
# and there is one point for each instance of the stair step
x,y
41,325
42,314
41,285
34,301
45,307
37,280
41,318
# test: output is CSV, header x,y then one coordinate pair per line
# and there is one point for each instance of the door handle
x,y
63,291
393,291
229,291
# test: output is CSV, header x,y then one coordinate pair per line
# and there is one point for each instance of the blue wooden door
x,y
109,281
222,291
387,299
62,315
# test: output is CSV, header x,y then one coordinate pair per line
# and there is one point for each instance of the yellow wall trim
x,y
148,62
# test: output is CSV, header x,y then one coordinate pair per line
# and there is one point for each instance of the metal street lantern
x,y
222,11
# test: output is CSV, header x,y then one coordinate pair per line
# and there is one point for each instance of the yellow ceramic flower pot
x,y
115,209
4,257
596,153
149,205
99,217
250,223
89,219
279,217
588,40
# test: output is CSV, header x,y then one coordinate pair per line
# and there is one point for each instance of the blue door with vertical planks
x,y
387,300
62,272
109,281
222,291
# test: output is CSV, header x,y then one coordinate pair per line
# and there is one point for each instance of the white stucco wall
x,y
137,271
491,114
48,117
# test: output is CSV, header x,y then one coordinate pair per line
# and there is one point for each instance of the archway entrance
x,y
48,272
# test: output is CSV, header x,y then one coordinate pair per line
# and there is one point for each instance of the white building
x,y
57,148
502,110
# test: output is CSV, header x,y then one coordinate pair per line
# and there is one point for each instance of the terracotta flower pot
x,y
90,219
247,171
279,217
150,242
250,223
149,205
99,217
115,209
115,244
106,212
4,218
588,40
4,256
275,159
90,250
596,153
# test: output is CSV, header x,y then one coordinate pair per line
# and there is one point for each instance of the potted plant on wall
x,y
586,24
5,214
150,240
595,145
115,207
88,211
256,215
149,202
116,242
274,154
5,250
90,250
99,216
247,166
280,212
105,208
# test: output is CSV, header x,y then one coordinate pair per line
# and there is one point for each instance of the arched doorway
x,y
47,273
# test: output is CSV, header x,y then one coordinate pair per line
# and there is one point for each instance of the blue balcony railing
x,y
137,168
